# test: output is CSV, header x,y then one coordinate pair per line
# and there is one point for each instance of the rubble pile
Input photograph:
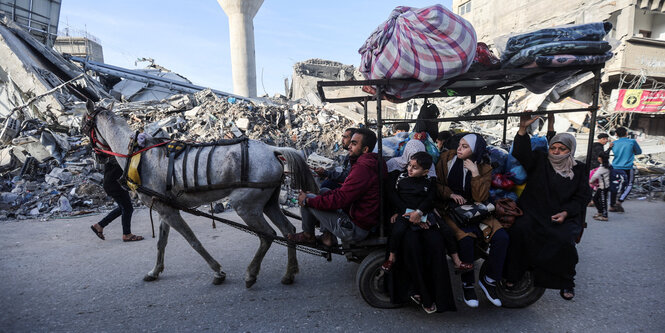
x,y
205,117
49,170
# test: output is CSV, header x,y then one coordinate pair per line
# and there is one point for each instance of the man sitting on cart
x,y
351,211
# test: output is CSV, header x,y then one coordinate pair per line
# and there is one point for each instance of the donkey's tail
x,y
301,176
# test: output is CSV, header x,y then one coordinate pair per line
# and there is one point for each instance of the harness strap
x,y
215,187
184,168
196,166
208,165
277,239
244,152
170,175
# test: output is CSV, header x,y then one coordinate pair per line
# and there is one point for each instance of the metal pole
x,y
379,141
505,97
592,121
366,120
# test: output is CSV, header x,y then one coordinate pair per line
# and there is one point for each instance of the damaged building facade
x,y
47,167
638,34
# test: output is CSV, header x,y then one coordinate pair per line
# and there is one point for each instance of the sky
x,y
191,38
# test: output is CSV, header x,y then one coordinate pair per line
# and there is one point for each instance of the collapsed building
x,y
46,164
47,167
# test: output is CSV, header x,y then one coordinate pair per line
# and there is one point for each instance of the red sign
x,y
639,100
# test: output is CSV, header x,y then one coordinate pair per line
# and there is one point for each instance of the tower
x,y
241,32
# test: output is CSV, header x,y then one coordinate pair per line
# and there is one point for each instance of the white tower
x,y
241,32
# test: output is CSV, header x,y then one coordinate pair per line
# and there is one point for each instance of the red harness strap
x,y
107,149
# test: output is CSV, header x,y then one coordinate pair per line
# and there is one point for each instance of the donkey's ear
x,y
90,105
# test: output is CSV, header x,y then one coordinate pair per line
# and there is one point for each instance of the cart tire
x,y
370,281
523,295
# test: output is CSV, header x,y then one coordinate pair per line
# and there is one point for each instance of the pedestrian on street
x,y
112,173
624,150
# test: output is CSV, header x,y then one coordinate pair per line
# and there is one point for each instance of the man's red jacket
x,y
359,194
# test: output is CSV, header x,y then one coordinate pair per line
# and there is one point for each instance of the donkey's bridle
x,y
90,128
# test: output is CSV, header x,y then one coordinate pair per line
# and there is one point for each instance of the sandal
x,y
132,238
463,268
431,309
565,291
97,232
416,299
302,237
387,266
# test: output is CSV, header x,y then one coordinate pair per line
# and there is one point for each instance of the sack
x,y
430,146
500,180
593,185
430,45
467,215
506,212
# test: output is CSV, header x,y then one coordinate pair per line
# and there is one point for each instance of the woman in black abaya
x,y
556,194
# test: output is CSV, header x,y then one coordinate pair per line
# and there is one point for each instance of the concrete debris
x,y
47,168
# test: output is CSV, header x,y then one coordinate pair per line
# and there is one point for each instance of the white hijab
x,y
399,163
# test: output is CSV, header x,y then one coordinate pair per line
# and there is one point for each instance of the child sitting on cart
x,y
412,196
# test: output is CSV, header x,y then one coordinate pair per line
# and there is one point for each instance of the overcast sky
x,y
192,37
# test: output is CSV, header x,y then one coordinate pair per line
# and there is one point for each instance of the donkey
x,y
250,204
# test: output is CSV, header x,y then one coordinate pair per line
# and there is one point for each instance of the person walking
x,y
624,150
112,173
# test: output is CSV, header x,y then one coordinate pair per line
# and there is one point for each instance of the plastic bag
x,y
500,180
505,163
430,146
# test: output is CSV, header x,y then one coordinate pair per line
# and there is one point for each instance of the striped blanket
x,y
429,44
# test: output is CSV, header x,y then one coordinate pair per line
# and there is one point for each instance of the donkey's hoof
x,y
287,280
250,283
149,278
218,280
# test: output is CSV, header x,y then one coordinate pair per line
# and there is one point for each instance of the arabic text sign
x,y
639,100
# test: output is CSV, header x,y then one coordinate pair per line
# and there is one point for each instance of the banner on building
x,y
640,100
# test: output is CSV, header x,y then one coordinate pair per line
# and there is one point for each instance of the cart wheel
x,y
521,296
370,281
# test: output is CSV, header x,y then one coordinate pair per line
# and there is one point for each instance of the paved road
x,y
57,276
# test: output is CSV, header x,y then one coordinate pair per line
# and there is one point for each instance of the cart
x,y
370,253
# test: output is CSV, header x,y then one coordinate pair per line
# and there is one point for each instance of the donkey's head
x,y
96,117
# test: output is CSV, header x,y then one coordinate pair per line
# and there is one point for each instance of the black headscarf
x,y
457,181
427,111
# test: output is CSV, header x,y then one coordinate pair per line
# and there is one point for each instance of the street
x,y
58,276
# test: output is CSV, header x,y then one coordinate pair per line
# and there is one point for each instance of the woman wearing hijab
x,y
421,269
464,176
556,194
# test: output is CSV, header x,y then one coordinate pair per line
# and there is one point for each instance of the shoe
x,y
613,209
600,218
387,266
97,232
490,291
470,297
132,238
567,291
302,237
328,239
463,268
596,215
431,309
619,208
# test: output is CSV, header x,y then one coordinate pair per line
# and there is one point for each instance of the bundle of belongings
x,y
427,46
575,45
